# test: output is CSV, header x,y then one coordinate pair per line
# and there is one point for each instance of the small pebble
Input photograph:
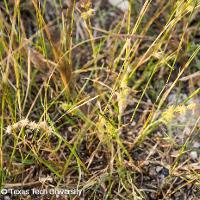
x,y
196,144
146,162
193,155
152,172
7,198
122,5
133,123
165,171
70,129
158,168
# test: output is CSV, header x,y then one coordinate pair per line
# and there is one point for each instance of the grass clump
x,y
100,99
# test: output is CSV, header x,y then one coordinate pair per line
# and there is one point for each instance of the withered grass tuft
x,y
98,99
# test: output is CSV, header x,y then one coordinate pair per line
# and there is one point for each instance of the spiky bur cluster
x,y
166,118
31,125
33,143
71,109
86,9
123,93
85,4
172,111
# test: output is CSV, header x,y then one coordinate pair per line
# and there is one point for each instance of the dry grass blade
x,y
61,56
64,59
